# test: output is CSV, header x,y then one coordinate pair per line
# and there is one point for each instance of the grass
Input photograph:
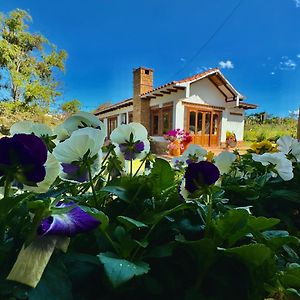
x,y
270,131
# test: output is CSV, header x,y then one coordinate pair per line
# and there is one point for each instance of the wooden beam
x,y
179,87
165,92
172,90
157,95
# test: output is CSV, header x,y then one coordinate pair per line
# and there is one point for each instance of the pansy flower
x,y
224,161
77,121
68,222
192,154
280,164
52,168
40,130
197,178
79,153
289,145
131,141
23,158
53,232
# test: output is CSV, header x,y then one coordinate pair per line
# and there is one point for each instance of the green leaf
x,y
54,284
131,223
120,270
232,226
262,223
254,254
291,277
162,175
118,191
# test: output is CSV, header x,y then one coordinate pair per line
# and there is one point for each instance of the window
x,y
130,117
161,121
124,118
155,122
112,124
167,121
192,126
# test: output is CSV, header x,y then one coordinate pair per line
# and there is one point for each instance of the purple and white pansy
x,y
192,154
198,176
79,153
68,222
131,141
23,159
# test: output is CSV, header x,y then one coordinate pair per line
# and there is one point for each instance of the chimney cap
x,y
142,68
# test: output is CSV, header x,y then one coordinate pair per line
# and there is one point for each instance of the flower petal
x,y
52,169
201,173
224,161
68,224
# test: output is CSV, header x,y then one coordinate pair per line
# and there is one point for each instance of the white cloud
x,y
287,64
297,2
272,73
226,64
298,55
182,59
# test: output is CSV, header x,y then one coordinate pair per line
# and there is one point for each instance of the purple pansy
x,y
75,172
68,223
199,174
130,151
22,158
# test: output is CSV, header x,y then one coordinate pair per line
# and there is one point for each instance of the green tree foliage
x,y
71,107
27,63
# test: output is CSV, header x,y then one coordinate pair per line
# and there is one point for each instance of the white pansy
x,y
29,127
131,141
289,145
77,121
224,161
281,164
52,167
71,153
193,153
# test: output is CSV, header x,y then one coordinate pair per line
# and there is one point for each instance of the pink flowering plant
x,y
80,220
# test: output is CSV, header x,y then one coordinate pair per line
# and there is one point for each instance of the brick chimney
x,y
142,83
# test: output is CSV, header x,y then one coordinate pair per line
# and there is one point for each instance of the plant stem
x,y
209,213
131,168
142,162
92,185
110,241
7,186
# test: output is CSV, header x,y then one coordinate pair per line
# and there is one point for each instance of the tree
x,y
27,63
71,107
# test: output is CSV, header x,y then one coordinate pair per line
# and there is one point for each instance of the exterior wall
x,y
173,97
115,113
204,92
233,120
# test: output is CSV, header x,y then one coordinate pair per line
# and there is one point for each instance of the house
x,y
206,105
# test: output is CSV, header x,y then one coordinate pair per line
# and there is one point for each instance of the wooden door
x,y
203,126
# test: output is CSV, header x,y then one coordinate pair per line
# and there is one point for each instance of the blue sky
x,y
258,48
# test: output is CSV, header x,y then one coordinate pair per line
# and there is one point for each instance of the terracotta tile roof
x,y
199,75
191,78
122,103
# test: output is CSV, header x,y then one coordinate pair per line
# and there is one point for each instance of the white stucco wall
x,y
204,92
232,123
118,113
